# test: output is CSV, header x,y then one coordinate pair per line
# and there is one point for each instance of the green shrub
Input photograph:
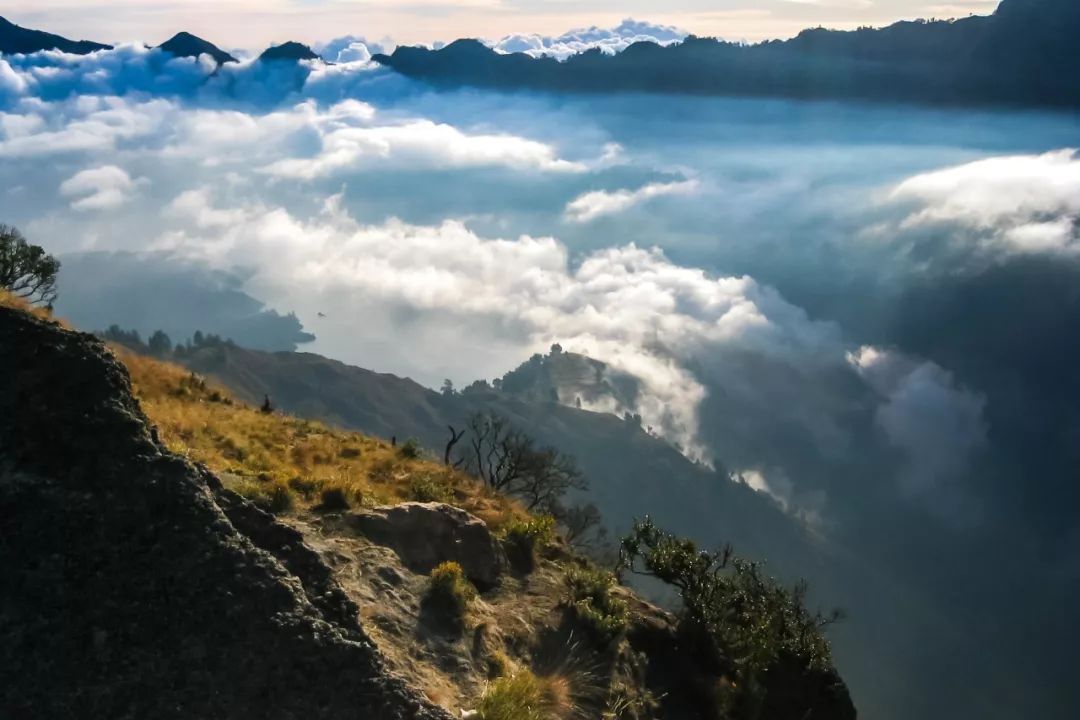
x,y
410,449
523,538
590,598
430,488
731,609
450,591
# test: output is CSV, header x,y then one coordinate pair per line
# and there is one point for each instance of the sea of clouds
x,y
249,167
811,296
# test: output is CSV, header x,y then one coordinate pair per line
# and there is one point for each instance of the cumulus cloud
x,y
420,142
608,40
598,203
923,412
81,125
351,49
628,306
102,188
1021,204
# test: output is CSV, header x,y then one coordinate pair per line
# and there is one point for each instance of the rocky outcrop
x,y
426,534
134,586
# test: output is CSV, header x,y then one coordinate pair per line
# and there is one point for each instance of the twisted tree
x,y
26,270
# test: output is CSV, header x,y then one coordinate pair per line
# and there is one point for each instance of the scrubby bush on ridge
x,y
732,614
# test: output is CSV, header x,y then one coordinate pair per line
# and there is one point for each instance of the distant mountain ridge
x,y
1024,54
20,40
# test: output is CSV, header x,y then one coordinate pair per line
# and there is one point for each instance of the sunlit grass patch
x,y
285,463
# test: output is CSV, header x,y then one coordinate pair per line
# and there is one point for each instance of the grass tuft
x,y
590,598
526,696
523,537
450,593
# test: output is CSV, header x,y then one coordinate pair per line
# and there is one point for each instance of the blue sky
x,y
254,23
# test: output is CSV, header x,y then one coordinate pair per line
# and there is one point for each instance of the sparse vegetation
x,y
590,598
300,462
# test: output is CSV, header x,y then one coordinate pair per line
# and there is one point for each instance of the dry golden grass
x,y
7,299
282,461
285,462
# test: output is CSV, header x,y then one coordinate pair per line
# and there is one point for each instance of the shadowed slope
x,y
135,585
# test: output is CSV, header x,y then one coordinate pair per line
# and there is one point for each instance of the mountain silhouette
x,y
15,39
1024,54
290,51
184,44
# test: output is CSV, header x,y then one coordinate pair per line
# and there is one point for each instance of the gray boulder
x,y
426,534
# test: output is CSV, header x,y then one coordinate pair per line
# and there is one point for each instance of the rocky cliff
x,y
135,585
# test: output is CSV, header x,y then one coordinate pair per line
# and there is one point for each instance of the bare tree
x,y
548,475
455,437
509,461
26,270
581,525
497,453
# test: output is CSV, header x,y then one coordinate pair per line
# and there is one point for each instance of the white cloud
x,y
595,204
84,124
627,306
608,40
420,143
1014,205
11,81
103,188
923,412
808,506
350,49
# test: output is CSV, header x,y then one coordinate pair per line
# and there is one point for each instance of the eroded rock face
x,y
134,586
426,534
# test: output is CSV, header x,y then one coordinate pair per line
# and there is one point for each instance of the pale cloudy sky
x,y
255,23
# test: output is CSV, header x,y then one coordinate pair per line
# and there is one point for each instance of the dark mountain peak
x,y
467,46
289,51
184,44
19,40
